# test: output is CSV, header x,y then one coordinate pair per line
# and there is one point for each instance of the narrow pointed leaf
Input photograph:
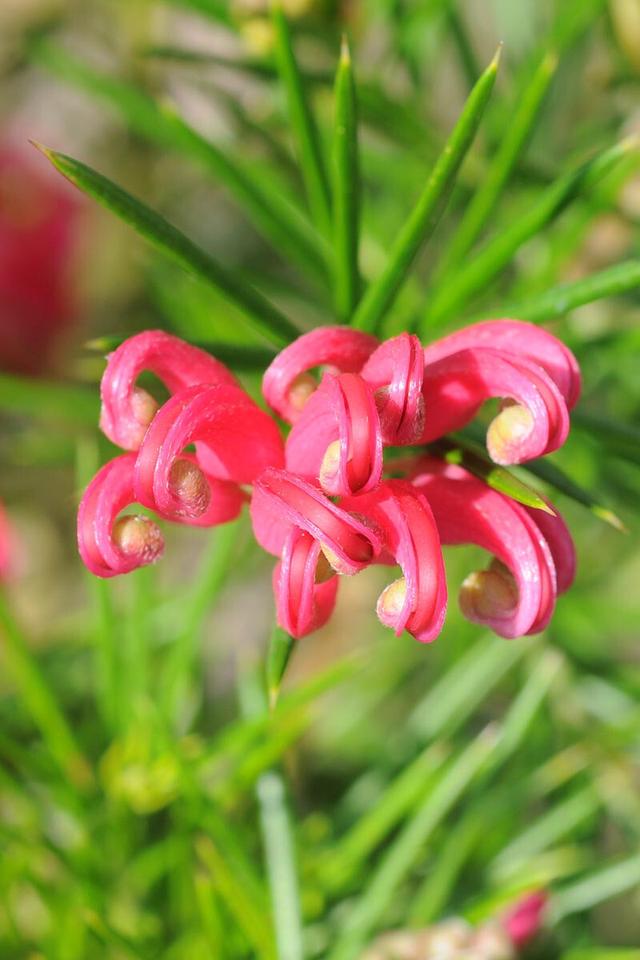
x,y
272,215
346,189
408,846
610,431
519,126
613,282
497,253
266,318
596,888
40,702
473,458
557,478
280,649
303,123
426,214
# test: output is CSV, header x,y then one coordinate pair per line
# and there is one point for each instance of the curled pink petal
x,y
555,531
235,440
396,370
417,601
516,596
338,439
523,921
286,386
140,543
524,340
456,386
303,604
128,410
281,500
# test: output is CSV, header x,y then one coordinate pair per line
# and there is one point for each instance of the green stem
x,y
277,838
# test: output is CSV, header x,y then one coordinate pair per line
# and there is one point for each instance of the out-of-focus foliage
x,y
142,806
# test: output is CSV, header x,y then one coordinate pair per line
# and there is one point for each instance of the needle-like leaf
x,y
272,215
612,282
346,188
497,253
426,214
472,457
302,122
519,126
169,240
555,477
280,649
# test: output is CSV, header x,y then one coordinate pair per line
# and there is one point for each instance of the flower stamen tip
x,y
507,431
189,485
138,537
330,468
490,593
301,388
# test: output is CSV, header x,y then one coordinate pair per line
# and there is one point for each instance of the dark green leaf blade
x,y
557,478
173,243
303,123
518,130
427,212
346,188
272,215
497,253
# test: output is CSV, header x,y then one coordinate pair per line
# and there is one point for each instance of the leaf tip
x,y
611,518
46,151
345,52
495,63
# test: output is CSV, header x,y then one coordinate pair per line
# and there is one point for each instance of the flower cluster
x,y
327,501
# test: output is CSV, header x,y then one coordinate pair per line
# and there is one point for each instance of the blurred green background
x,y
142,797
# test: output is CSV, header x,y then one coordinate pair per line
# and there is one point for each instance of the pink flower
x,y
523,921
234,440
39,232
321,502
533,553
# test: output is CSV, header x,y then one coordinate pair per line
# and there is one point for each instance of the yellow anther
x,y
144,406
392,600
330,467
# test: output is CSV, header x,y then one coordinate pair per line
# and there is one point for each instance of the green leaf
x,y
40,701
498,252
49,400
346,189
612,282
402,794
555,477
622,438
272,215
169,240
602,953
474,459
519,125
408,846
281,647
303,123
427,212
241,905
596,888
